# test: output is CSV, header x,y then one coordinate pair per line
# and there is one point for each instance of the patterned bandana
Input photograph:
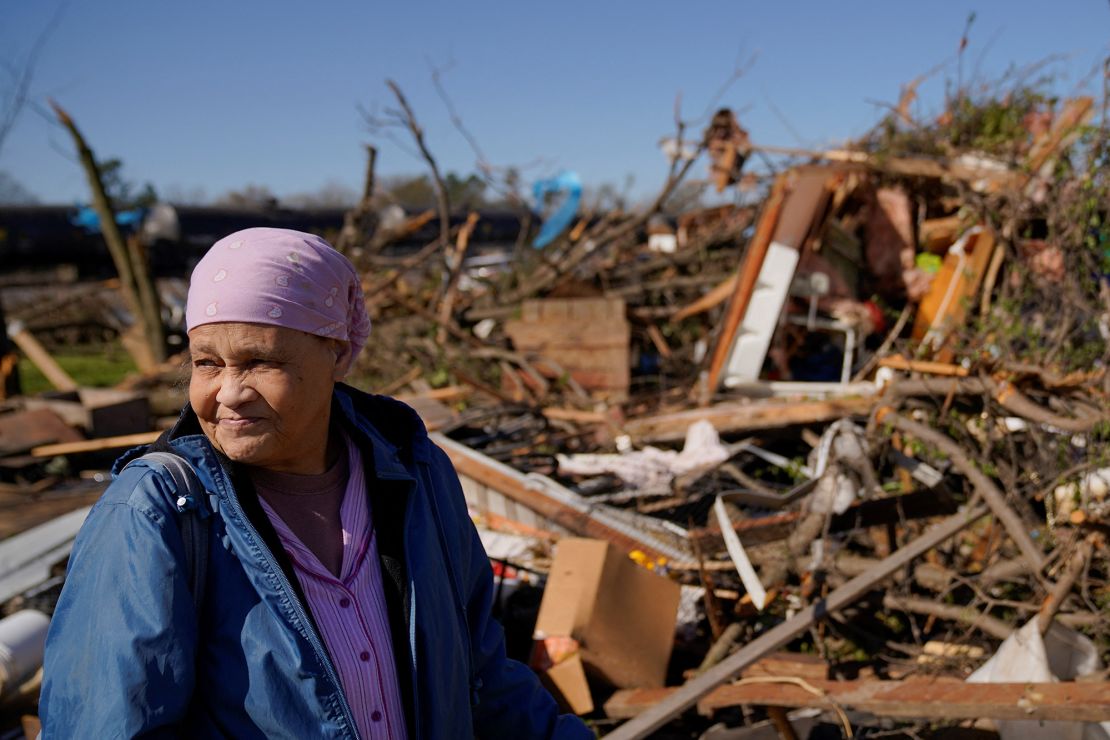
x,y
282,278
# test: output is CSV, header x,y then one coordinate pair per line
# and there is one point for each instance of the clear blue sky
x,y
215,95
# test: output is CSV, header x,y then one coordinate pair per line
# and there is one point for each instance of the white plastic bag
x,y
1061,655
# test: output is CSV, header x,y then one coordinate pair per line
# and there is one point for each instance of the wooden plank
x,y
789,664
26,514
710,300
745,284
514,486
932,699
937,234
920,698
21,431
983,178
575,415
38,355
742,417
628,703
809,196
944,308
776,637
449,393
96,445
898,362
1075,113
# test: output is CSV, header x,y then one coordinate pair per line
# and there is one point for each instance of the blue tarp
x,y
570,185
86,218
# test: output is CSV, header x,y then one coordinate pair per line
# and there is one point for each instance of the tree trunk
x,y
135,281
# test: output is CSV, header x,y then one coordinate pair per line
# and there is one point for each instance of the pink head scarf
x,y
283,278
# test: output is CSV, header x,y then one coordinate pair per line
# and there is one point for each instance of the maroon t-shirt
x,y
309,504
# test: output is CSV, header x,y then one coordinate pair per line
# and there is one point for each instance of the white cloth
x,y
651,467
1062,654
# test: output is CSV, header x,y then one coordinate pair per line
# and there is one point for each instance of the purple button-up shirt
x,y
350,611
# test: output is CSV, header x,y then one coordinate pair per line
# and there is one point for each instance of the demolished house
x,y
833,458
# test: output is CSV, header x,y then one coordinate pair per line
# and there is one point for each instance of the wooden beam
x,y
527,491
776,637
994,179
917,698
743,417
96,445
753,259
447,393
712,299
1075,113
38,355
898,362
577,416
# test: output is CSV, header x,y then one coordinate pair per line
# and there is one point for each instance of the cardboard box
x,y
567,683
622,615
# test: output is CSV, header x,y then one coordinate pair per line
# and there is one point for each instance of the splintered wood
x,y
921,698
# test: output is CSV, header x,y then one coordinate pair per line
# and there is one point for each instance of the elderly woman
x,y
345,592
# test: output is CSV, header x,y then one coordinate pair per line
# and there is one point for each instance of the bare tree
x,y
136,284
15,91
405,118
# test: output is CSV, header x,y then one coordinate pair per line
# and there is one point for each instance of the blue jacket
x,y
129,655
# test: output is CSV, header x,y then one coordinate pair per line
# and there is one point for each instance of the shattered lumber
x,y
695,689
96,445
551,501
915,698
907,166
41,359
746,280
733,417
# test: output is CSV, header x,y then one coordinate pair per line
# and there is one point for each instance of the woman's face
x,y
263,393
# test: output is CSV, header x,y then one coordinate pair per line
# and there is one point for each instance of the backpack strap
x,y
192,509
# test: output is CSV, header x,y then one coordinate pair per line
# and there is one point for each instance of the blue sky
x,y
214,95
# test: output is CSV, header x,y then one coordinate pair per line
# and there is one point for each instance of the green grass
x,y
100,366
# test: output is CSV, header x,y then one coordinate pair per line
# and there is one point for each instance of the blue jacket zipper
x,y
300,614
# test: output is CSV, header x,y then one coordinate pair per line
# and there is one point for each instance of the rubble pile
x,y
835,454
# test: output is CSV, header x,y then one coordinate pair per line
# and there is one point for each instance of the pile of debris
x,y
834,456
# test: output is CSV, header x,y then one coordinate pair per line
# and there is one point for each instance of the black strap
x,y
192,498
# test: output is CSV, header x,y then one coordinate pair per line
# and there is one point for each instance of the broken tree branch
x,y
407,117
131,275
450,289
1014,525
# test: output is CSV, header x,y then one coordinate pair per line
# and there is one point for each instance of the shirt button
x,y
376,716
344,602
364,656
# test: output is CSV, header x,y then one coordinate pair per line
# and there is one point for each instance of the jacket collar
x,y
393,429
